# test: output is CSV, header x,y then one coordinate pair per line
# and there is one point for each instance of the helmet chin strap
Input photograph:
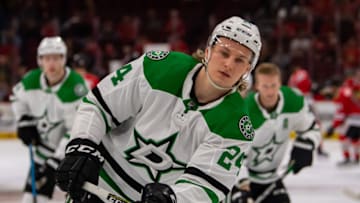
x,y
213,83
216,86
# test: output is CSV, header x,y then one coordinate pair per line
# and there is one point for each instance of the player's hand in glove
x,y
301,154
82,163
45,175
158,193
329,132
240,193
27,130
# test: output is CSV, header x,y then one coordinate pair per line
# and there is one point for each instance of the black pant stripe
x,y
261,172
312,126
98,96
120,171
41,144
197,172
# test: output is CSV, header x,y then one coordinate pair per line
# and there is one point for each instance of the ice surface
x,y
322,183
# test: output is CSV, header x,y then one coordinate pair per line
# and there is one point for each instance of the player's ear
x,y
207,52
248,69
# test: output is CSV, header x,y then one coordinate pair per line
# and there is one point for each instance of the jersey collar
x,y
276,112
188,84
47,88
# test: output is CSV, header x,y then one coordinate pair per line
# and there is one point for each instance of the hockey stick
x,y
32,171
271,187
102,194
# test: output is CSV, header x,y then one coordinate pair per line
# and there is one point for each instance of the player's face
x,y
228,62
52,66
268,87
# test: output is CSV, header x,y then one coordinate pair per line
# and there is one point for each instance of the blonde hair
x,y
268,69
199,55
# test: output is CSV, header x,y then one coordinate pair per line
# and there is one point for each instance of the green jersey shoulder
x,y
72,89
31,81
230,118
167,71
293,102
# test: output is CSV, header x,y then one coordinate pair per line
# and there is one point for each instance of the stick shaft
x,y
32,171
102,194
271,187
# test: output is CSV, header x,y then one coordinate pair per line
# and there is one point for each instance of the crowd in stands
x,y
321,36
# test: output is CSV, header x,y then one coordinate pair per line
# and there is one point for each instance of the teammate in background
x,y
165,128
275,111
44,103
301,80
347,116
81,64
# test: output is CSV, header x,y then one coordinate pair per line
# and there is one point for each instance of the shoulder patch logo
x,y
80,90
157,55
246,128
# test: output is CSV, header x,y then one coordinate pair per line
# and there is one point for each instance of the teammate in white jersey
x,y
165,127
44,103
275,111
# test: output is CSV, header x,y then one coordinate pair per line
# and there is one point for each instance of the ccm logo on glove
x,y
85,149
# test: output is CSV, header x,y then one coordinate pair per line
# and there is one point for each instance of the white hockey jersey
x,y
272,132
151,130
53,107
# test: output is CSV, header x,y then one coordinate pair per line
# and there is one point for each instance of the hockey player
x,y
300,79
165,128
44,103
81,64
347,116
275,111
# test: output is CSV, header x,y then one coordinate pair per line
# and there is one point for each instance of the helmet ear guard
x,y
51,45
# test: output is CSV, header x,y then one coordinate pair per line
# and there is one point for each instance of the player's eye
x,y
224,53
240,60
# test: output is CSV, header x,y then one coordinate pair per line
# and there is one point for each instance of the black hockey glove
x,y
158,193
240,193
82,163
46,173
302,154
27,130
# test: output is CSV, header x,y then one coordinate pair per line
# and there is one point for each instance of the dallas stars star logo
x,y
155,156
266,152
45,126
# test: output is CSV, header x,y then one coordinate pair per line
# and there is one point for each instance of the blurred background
x,y
321,37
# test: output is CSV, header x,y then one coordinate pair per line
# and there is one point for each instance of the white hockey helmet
x,y
241,31
51,45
